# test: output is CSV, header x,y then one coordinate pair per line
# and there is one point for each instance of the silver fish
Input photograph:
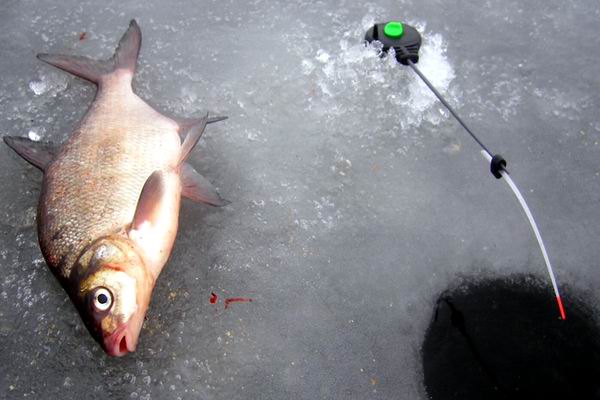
x,y
109,207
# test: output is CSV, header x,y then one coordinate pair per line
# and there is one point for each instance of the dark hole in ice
x,y
504,339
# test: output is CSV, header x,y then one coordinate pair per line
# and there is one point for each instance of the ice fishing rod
x,y
406,42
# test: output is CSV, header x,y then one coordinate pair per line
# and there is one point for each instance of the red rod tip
x,y
561,308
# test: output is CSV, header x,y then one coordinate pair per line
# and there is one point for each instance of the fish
x,y
108,210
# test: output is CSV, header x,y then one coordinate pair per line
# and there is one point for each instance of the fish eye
x,y
103,299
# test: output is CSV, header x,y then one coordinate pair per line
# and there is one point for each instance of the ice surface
x,y
355,198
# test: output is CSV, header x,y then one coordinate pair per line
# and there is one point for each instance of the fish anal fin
x,y
125,57
38,154
197,188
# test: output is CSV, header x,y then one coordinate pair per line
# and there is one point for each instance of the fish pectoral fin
x,y
149,204
154,223
197,188
38,154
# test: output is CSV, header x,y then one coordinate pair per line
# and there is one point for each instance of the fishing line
x,y
406,41
445,103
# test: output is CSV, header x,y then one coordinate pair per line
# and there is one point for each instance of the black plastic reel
x,y
406,46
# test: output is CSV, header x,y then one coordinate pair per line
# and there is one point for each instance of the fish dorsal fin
x,y
149,203
186,123
125,57
197,188
194,133
38,154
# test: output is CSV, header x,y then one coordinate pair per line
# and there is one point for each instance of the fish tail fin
x,y
83,67
125,57
194,133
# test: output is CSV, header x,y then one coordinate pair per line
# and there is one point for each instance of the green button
x,y
393,29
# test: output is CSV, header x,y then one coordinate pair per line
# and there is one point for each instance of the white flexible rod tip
x,y
536,231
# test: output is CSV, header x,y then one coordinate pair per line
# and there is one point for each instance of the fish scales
x,y
92,188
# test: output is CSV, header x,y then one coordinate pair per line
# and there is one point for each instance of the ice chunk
x,y
307,67
35,134
50,83
38,87
322,56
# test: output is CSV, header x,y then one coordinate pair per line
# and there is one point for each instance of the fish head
x,y
112,293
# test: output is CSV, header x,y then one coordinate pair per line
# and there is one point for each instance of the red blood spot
x,y
213,298
236,300
82,35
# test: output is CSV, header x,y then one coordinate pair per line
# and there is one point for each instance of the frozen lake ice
x,y
356,199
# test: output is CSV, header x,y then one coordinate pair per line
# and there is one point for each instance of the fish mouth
x,y
120,342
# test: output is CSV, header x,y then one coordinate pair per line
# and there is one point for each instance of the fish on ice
x,y
109,206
